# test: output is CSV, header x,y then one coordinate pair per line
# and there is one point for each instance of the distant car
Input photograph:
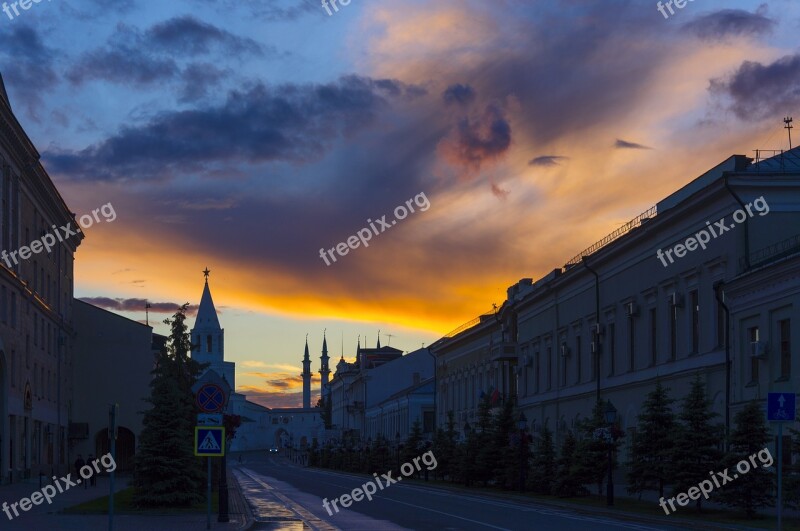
x,y
273,450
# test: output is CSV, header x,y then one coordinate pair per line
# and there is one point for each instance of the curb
x,y
622,515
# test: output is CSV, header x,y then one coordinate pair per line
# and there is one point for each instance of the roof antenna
x,y
789,127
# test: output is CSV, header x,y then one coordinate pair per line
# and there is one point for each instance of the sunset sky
x,y
243,136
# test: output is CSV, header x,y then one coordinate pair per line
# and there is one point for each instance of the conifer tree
x,y
414,444
591,463
696,449
445,449
651,451
544,469
167,474
791,475
567,483
506,469
754,487
483,451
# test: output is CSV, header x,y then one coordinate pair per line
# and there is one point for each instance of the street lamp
x,y
397,439
522,423
611,417
467,436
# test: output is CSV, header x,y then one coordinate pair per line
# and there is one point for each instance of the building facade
x,y
647,304
36,328
113,363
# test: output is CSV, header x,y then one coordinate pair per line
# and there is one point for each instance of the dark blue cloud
x,y
759,90
290,123
730,23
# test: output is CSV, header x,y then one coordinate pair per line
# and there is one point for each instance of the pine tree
x,y
696,450
167,474
591,463
414,444
651,451
483,451
506,471
544,469
445,449
791,475
754,489
567,483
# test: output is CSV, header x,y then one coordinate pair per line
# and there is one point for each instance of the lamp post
x,y
522,423
611,417
467,437
397,445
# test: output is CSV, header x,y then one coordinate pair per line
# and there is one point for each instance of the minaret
x,y
324,371
306,378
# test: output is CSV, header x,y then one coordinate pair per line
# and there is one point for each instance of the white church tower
x,y
208,338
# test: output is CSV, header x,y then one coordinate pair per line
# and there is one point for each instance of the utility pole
x,y
147,307
789,127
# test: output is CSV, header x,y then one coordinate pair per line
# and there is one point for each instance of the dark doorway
x,y
126,446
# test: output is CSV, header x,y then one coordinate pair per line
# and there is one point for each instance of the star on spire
x,y
206,272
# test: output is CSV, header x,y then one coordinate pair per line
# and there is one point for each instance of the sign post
x,y
113,430
780,409
211,396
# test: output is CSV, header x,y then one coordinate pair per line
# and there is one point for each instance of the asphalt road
x,y
278,490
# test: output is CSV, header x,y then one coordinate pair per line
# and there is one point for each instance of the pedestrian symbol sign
x,y
780,407
209,441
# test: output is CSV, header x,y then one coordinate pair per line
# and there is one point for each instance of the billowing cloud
x,y
479,139
459,94
759,90
731,23
28,64
291,123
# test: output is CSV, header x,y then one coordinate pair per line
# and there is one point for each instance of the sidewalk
x,y
47,516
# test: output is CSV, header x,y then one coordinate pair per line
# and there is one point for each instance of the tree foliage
x,y
753,489
651,452
696,450
167,474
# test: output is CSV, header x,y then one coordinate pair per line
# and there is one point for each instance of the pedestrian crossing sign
x,y
209,441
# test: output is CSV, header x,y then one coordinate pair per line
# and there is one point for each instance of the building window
x,y
752,333
631,343
13,368
549,368
653,337
13,310
3,305
785,346
35,329
673,331
721,328
428,422
208,343
579,357
537,371
695,322
612,349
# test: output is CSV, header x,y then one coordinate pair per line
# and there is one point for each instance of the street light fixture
x,y
611,418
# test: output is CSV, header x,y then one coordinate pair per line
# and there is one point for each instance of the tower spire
x,y
306,377
324,370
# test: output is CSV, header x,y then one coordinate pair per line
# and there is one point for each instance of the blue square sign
x,y
781,407
209,441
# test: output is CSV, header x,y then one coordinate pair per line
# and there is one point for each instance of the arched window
x,y
208,343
